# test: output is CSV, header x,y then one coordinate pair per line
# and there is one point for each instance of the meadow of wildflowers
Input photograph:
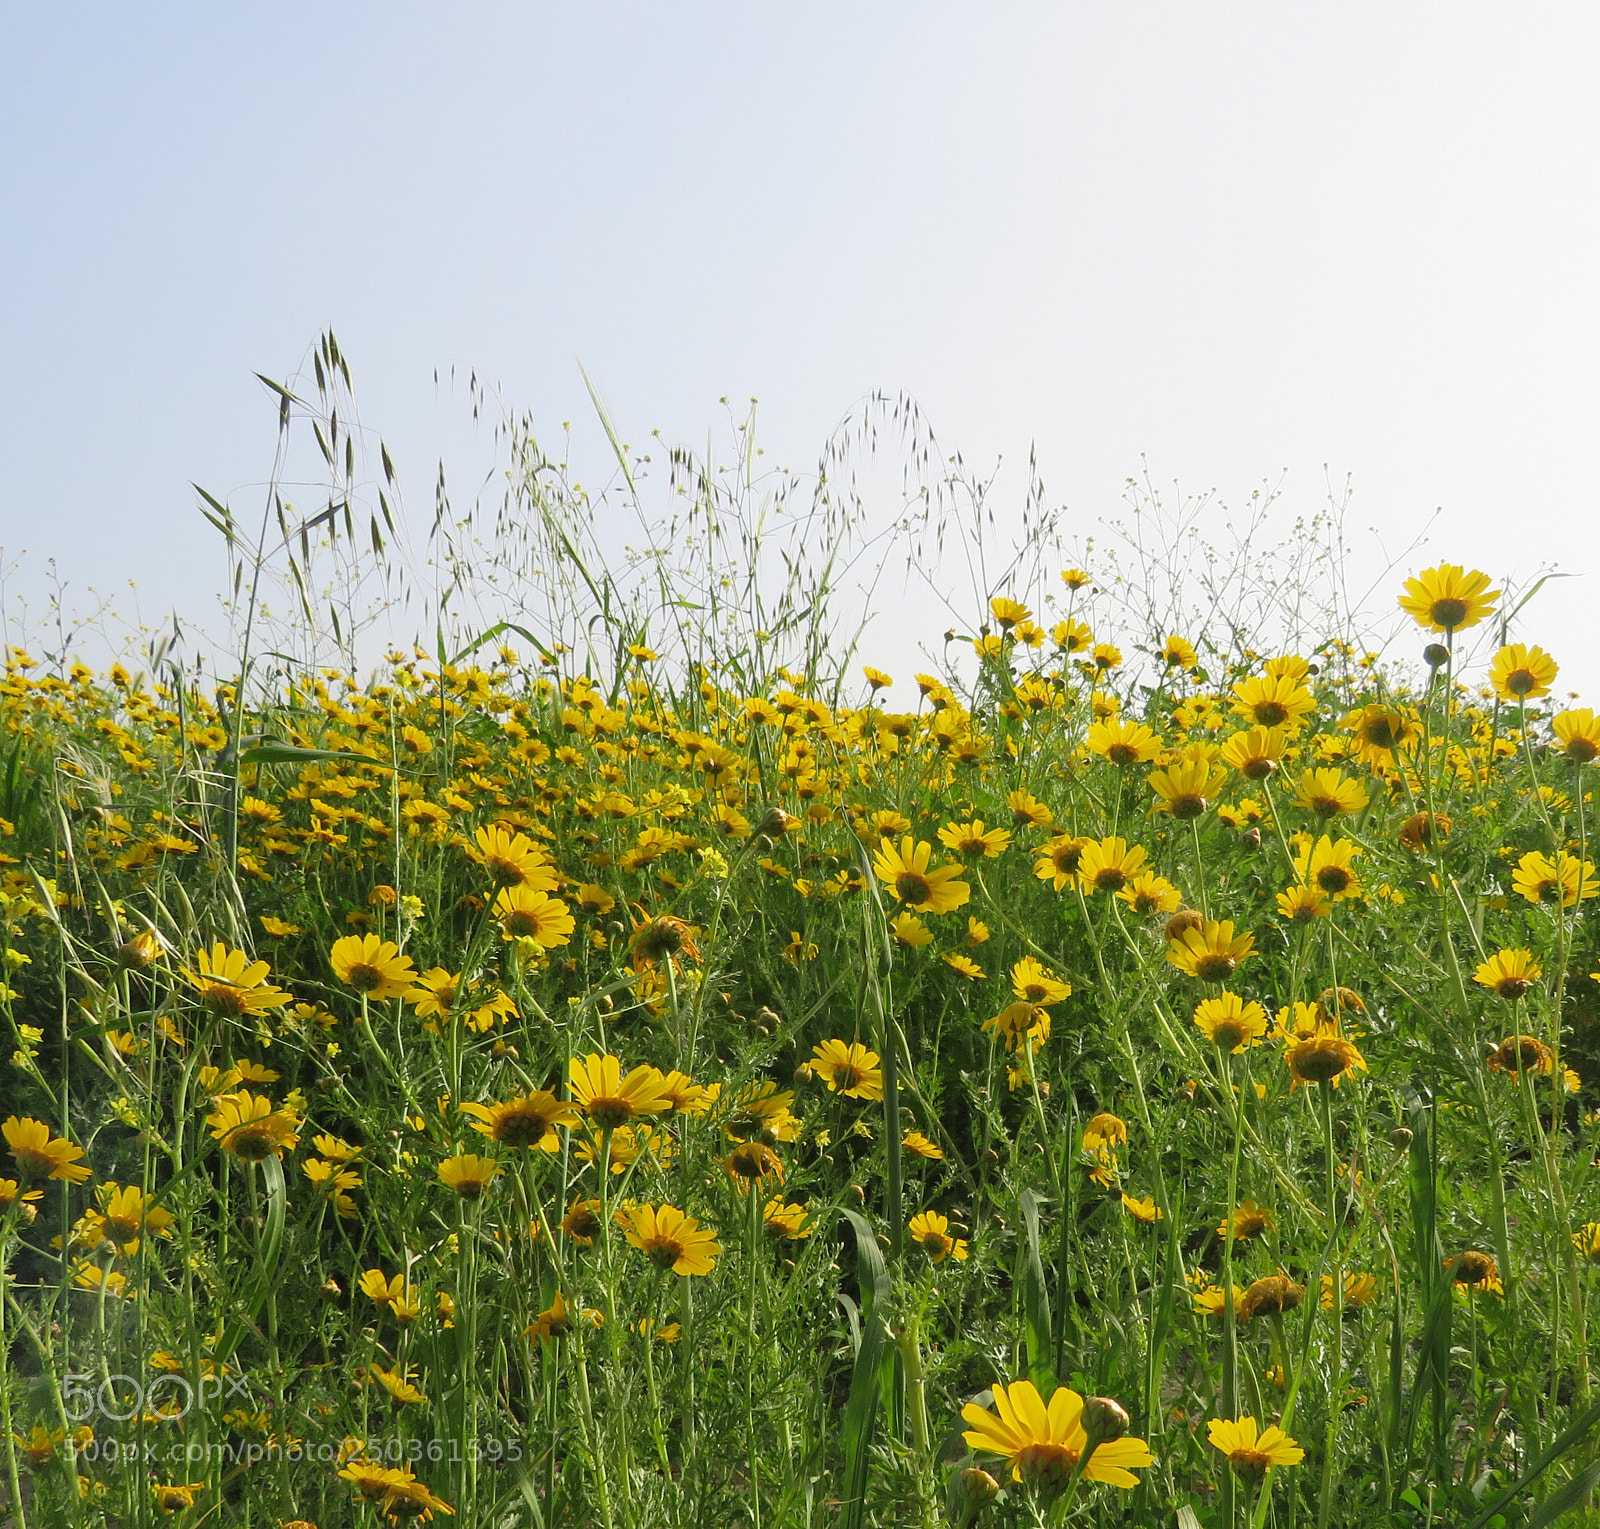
x,y
513,1090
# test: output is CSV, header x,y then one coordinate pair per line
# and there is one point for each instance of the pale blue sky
x,y
1233,238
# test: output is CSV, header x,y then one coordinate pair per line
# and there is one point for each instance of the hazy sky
x,y
1227,240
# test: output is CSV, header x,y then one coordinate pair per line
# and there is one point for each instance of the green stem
x,y
1230,1320
1335,1311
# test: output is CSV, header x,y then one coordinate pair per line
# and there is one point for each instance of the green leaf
x,y
1538,585
266,1263
1555,1506
866,1376
499,629
275,751
1558,1502
1433,1356
1036,1304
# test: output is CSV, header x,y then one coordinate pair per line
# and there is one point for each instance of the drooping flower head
x,y
1518,1054
1104,1133
1421,830
1248,1220
172,1497
1271,1296
1476,1270
582,1221
1324,1056
665,937
39,1155
1020,1024
752,1162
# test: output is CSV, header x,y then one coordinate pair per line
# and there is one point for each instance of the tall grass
x,y
288,952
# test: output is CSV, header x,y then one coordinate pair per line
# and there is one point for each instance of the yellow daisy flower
x,y
1252,1450
1522,674
1210,950
905,872
39,1155
1108,865
1508,974
1045,1443
229,982
372,966
468,1174
931,1232
670,1239
525,914
1036,983
1448,598
849,1068
1229,1023
248,1126
608,1099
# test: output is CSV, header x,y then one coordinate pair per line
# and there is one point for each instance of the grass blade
x,y
866,1377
